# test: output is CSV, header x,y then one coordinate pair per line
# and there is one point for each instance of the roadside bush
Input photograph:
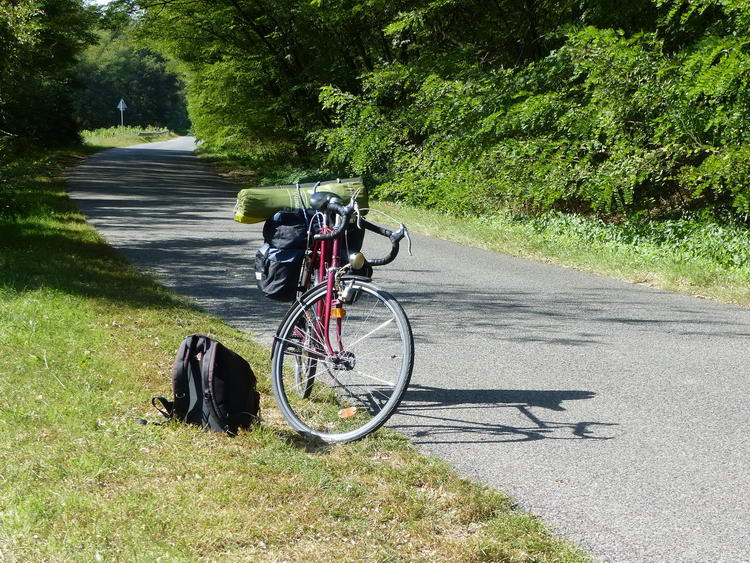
x,y
608,124
725,244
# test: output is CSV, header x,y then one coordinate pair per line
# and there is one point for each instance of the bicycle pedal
x,y
338,313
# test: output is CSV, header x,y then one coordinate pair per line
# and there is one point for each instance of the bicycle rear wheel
x,y
351,392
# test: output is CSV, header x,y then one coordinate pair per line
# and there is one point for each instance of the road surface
x,y
617,412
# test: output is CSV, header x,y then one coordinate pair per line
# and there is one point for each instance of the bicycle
x,y
343,354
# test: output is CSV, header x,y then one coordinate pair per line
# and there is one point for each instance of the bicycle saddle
x,y
319,200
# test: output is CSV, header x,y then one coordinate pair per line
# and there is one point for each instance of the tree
x,y
254,68
39,42
595,106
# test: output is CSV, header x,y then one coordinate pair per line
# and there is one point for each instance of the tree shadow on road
x,y
576,316
431,415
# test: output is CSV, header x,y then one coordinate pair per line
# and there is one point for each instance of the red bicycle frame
x,y
325,260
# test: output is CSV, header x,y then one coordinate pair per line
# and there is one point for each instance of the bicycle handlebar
x,y
394,236
345,212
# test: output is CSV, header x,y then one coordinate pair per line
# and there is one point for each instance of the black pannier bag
x,y
213,386
277,271
279,261
286,230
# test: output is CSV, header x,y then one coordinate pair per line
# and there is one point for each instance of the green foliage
x,y
117,67
107,137
601,108
39,40
722,244
254,69
607,123
116,131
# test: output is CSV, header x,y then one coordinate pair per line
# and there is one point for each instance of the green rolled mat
x,y
255,205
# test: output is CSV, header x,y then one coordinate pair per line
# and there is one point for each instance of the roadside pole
x,y
122,106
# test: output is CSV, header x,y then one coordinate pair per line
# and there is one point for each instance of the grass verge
x,y
697,257
86,340
111,137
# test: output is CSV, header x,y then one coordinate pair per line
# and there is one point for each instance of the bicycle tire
x,y
356,390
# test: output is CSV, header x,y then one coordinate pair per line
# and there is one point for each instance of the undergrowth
x,y
724,245
124,136
692,254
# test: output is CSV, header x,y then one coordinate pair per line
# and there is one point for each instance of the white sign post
x,y
122,106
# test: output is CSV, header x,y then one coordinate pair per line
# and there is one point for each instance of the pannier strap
x,y
168,406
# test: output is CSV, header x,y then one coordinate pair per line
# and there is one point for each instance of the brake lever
x,y
402,232
408,238
357,213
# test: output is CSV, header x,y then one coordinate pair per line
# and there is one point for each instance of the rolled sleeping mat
x,y
255,205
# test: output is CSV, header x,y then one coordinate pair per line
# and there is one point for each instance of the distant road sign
x,y
122,106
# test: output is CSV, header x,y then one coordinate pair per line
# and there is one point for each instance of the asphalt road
x,y
617,412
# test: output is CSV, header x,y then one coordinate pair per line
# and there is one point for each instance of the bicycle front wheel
x,y
353,375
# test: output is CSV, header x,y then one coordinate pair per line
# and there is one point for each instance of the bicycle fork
x,y
330,308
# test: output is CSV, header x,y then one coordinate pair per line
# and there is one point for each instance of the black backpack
x,y
213,387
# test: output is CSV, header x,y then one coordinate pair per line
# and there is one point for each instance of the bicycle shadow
x,y
433,415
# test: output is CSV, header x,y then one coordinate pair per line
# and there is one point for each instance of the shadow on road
x,y
557,318
470,415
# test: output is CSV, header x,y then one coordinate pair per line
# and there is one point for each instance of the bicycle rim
x,y
353,391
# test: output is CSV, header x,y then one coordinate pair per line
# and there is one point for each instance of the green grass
x,y
86,340
694,256
110,137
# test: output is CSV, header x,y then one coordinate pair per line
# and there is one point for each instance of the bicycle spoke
x,y
316,327
363,322
389,383
379,327
292,343
378,352
320,362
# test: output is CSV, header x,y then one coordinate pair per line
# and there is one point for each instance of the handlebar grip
x,y
390,257
394,236
345,212
376,228
338,208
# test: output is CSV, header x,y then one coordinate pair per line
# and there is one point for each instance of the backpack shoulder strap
x,y
167,408
180,374
208,363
